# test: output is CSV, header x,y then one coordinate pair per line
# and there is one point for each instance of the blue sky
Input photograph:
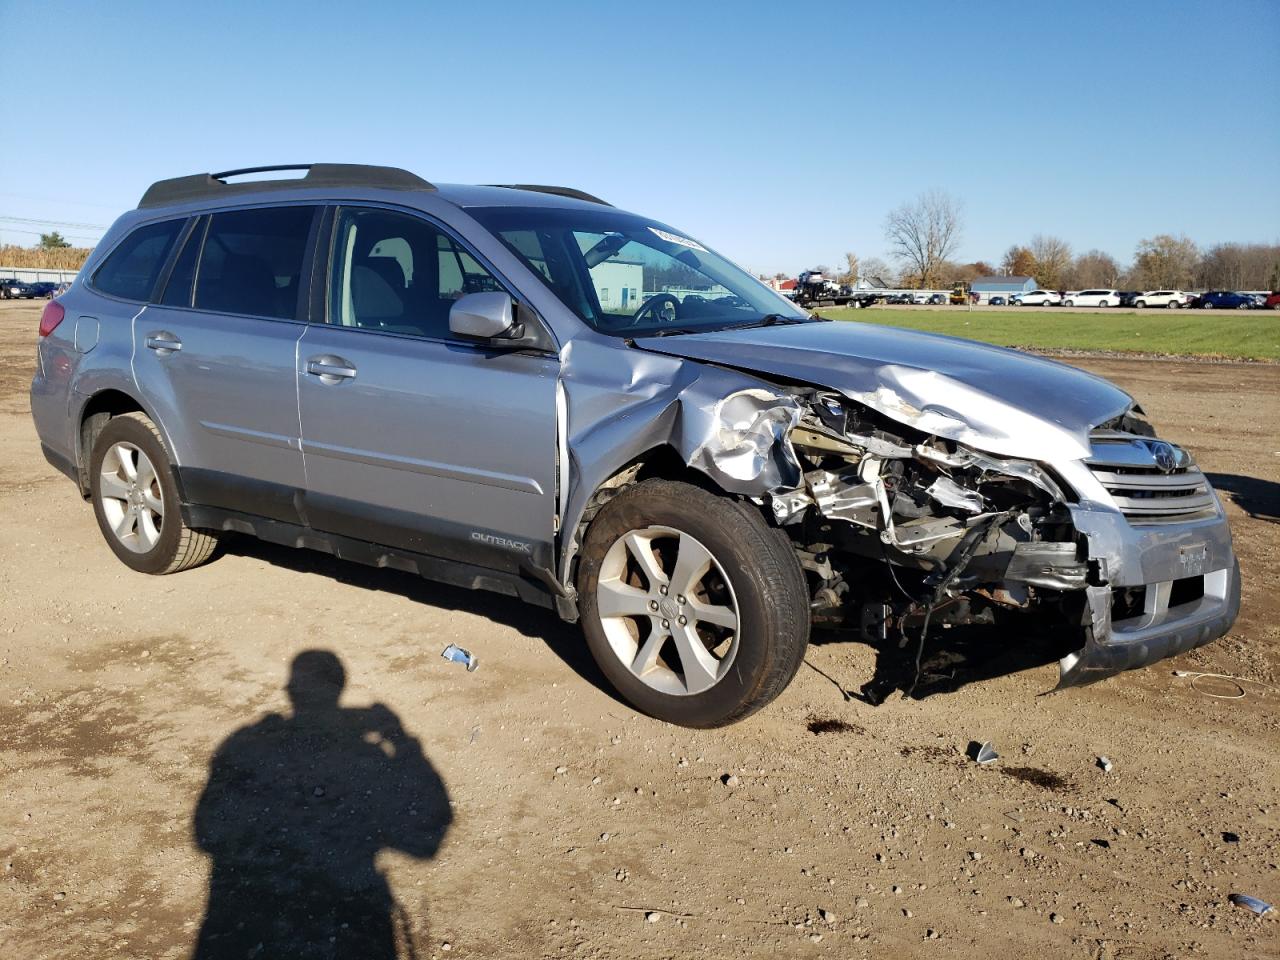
x,y
780,134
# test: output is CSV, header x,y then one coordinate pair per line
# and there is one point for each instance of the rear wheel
x,y
1206,305
136,499
693,606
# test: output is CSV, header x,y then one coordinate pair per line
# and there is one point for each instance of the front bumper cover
x,y
1160,631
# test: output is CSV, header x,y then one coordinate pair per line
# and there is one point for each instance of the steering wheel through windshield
x,y
663,308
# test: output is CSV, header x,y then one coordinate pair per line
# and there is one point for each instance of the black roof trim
x,y
202,186
569,192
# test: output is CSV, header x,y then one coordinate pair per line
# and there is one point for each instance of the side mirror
x,y
482,316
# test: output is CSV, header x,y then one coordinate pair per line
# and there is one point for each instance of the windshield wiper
x,y
770,320
674,332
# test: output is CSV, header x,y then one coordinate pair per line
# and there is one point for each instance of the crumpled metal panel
x,y
998,400
727,424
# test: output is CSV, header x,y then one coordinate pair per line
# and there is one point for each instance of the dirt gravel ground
x,y
156,781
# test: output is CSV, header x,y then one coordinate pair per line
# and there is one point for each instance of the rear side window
x,y
131,271
251,262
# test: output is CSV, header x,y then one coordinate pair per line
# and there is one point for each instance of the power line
x,y
37,233
54,223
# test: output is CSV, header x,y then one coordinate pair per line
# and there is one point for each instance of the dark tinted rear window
x,y
132,268
252,261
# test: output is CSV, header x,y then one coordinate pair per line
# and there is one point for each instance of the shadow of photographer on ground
x,y
294,814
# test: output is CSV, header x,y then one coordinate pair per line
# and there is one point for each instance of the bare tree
x,y
1165,261
1093,269
850,275
925,233
1052,257
1239,266
876,272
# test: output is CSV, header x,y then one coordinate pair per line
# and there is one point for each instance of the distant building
x,y
618,284
1007,287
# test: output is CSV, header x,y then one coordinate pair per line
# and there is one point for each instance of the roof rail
x,y
214,186
569,192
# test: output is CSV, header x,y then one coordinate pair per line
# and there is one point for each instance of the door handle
x,y
163,343
331,369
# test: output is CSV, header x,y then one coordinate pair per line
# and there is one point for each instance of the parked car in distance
x,y
482,385
1223,300
42,289
1170,299
938,298
1039,298
1092,298
997,301
14,289
1127,298
1273,301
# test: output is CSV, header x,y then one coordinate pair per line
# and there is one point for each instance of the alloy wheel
x,y
668,610
132,498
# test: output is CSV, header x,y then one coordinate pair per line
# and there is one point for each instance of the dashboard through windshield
x,y
627,276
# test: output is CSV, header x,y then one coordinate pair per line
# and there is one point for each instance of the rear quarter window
x,y
132,268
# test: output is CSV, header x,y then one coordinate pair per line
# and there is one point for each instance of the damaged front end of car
x,y
1129,544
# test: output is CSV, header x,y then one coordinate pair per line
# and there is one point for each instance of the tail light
x,y
52,316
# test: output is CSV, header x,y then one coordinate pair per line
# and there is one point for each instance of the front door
x,y
412,438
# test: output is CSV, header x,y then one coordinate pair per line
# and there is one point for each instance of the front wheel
x,y
1069,303
1141,304
135,499
1173,305
1206,306
693,606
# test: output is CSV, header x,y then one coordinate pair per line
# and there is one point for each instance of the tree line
x,y
924,235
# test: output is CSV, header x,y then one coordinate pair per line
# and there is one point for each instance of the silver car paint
x,y
1001,401
609,403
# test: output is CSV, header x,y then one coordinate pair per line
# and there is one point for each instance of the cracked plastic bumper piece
x,y
1161,630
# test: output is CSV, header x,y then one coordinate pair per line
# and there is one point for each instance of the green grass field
x,y
1242,334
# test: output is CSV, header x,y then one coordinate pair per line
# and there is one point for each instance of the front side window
x,y
131,271
251,261
399,274
627,276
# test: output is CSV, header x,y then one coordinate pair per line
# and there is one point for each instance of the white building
x,y
618,284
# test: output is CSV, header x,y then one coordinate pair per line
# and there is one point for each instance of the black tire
x,y
766,579
1140,304
1206,306
1069,303
177,547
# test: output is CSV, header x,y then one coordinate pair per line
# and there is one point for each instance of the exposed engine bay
x,y
959,533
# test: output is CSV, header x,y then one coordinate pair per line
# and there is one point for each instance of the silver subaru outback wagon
x,y
524,389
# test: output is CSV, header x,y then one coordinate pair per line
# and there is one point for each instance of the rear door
x,y
413,438
216,358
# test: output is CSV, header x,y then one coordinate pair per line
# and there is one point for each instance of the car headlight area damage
x,y
900,529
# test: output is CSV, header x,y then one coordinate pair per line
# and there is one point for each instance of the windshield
x,y
627,276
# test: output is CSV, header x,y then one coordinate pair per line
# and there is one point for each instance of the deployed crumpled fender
x,y
729,425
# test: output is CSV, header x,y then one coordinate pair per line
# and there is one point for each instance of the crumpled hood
x,y
998,400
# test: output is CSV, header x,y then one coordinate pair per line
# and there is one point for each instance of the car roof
x,y
340,179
